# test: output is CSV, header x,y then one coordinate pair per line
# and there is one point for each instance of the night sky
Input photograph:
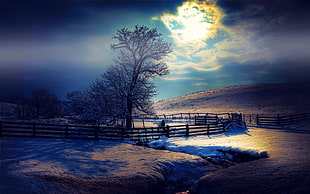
x,y
64,45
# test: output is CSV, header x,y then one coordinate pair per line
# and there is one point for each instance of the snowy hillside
x,y
282,98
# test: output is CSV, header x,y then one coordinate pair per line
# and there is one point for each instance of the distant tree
x,y
22,108
77,102
127,85
45,104
105,102
86,107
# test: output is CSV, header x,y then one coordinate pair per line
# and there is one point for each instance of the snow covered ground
x,y
37,165
287,170
213,145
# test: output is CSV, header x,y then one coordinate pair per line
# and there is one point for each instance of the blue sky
x,y
64,45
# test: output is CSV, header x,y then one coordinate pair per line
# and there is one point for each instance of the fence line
x,y
206,124
182,115
58,131
275,120
21,129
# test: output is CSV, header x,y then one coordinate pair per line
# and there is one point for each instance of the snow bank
x,y
180,175
216,148
219,154
157,144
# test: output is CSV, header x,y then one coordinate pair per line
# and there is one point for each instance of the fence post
x,y
158,136
167,132
34,130
278,119
122,132
67,132
257,119
152,133
0,128
208,128
187,130
291,119
96,132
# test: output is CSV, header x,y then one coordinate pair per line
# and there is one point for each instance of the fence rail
x,y
183,115
57,131
21,129
205,123
275,120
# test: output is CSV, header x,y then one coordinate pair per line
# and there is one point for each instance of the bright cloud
x,y
194,21
181,78
204,44
201,84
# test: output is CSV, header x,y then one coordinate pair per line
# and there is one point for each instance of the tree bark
x,y
129,113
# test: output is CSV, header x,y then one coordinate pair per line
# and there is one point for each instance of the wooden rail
x,y
275,120
21,129
182,115
216,118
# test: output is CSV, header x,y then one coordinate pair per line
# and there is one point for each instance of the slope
x,y
282,98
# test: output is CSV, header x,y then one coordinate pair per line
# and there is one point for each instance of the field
x,y
36,165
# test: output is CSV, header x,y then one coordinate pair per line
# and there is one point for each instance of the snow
x,y
63,165
216,145
287,170
158,144
37,165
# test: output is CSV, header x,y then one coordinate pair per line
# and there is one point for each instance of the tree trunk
x,y
129,114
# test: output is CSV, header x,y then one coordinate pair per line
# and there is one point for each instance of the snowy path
x,y
36,165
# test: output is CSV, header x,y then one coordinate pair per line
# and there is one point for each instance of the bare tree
x,y
138,62
45,104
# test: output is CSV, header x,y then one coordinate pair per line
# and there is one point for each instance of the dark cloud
x,y
58,78
37,18
33,15
281,27
266,15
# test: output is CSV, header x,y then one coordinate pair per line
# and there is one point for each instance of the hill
x,y
280,98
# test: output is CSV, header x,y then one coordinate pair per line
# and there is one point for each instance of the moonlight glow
x,y
194,21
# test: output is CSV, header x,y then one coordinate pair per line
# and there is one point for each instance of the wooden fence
x,y
215,118
184,115
275,120
21,129
24,129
